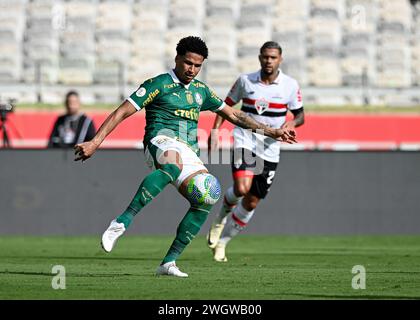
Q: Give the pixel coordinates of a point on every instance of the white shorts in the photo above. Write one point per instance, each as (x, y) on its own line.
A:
(191, 163)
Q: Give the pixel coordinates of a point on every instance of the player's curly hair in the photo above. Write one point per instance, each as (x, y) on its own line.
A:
(192, 44)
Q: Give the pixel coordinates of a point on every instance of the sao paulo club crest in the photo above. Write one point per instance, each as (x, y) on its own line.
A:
(261, 105)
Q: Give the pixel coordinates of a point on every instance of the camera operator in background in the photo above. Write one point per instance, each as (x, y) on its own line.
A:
(5, 108)
(73, 127)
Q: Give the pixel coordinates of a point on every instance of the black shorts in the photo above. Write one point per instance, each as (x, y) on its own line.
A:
(246, 164)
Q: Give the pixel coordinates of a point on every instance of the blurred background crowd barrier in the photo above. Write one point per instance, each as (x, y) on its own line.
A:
(45, 192)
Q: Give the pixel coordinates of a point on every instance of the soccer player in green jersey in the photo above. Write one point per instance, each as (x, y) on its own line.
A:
(172, 102)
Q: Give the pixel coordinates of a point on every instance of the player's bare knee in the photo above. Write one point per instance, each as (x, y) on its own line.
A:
(241, 189)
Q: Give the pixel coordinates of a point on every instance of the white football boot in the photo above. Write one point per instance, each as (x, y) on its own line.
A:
(214, 234)
(219, 253)
(216, 229)
(170, 269)
(111, 235)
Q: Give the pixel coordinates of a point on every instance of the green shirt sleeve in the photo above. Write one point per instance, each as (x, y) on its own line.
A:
(145, 94)
(212, 102)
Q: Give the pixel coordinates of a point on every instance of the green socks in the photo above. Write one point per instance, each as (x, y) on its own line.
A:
(187, 230)
(150, 187)
(126, 217)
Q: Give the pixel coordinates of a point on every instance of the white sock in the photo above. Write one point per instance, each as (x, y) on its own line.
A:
(232, 200)
(235, 223)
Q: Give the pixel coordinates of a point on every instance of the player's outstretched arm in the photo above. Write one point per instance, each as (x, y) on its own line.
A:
(242, 120)
(84, 151)
(213, 140)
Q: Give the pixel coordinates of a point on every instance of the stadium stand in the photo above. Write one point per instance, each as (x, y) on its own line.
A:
(150, 20)
(41, 41)
(113, 24)
(77, 46)
(220, 36)
(342, 44)
(11, 35)
(289, 30)
(393, 45)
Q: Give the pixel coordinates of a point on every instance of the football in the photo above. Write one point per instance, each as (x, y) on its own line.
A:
(204, 188)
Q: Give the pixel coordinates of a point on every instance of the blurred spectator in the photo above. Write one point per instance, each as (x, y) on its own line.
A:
(73, 127)
(415, 4)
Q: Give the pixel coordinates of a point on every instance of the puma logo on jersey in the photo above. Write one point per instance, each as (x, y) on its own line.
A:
(176, 94)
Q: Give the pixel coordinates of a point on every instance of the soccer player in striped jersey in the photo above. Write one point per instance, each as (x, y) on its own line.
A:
(266, 97)
(172, 101)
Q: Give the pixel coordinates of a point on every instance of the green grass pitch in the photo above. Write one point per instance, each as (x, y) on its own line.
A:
(259, 267)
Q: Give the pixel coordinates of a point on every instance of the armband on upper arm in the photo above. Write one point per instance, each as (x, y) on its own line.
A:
(297, 111)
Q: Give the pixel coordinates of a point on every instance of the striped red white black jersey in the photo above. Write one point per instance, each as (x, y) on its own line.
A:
(267, 104)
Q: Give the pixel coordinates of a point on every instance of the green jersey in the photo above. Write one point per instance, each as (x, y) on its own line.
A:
(173, 108)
